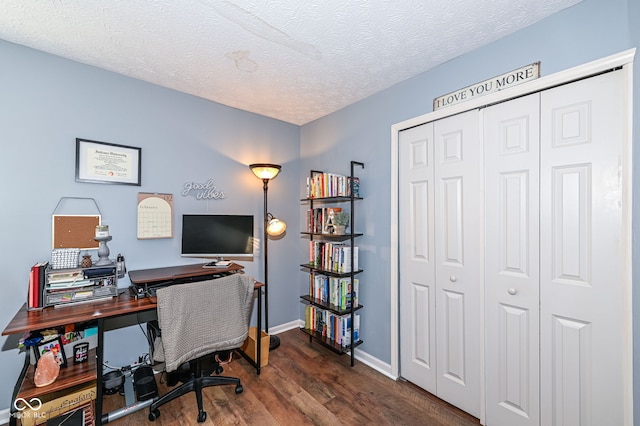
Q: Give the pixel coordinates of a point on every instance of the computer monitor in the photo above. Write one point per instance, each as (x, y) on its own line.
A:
(217, 236)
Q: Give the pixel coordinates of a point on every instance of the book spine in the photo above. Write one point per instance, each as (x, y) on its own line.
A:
(42, 271)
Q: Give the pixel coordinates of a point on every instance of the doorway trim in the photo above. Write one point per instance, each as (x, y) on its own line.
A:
(623, 59)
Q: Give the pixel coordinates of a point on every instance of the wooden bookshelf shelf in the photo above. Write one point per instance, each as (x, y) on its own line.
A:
(333, 308)
(330, 273)
(330, 344)
(331, 199)
(332, 237)
(71, 375)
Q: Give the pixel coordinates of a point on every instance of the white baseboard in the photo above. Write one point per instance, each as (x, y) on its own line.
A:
(286, 327)
(5, 415)
(375, 363)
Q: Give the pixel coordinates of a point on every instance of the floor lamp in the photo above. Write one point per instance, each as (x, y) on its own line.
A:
(273, 227)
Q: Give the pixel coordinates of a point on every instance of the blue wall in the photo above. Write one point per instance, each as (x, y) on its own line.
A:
(47, 102)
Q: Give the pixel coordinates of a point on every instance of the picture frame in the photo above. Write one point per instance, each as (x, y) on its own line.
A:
(109, 163)
(54, 345)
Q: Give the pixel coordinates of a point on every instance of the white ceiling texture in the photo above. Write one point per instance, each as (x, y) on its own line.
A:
(293, 60)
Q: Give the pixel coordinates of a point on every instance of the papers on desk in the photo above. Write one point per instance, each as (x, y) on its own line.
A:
(65, 276)
(70, 284)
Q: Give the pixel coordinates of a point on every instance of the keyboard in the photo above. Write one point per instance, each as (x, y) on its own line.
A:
(218, 264)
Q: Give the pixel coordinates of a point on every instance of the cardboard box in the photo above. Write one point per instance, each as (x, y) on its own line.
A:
(53, 404)
(250, 346)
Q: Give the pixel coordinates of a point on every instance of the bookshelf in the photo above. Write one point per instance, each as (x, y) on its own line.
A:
(332, 306)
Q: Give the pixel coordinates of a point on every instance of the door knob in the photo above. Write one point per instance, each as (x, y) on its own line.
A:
(453, 278)
(512, 291)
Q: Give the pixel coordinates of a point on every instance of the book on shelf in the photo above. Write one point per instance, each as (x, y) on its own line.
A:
(333, 290)
(331, 326)
(321, 220)
(36, 285)
(327, 185)
(331, 256)
(42, 278)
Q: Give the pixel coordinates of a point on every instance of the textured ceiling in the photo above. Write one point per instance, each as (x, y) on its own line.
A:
(293, 60)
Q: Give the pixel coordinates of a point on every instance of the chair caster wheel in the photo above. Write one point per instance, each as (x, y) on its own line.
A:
(202, 417)
(153, 415)
(239, 389)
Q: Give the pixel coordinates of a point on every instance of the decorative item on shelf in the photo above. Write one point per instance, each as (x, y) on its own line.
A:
(47, 370)
(102, 236)
(81, 353)
(341, 222)
(64, 258)
(273, 227)
(86, 261)
(53, 346)
(121, 268)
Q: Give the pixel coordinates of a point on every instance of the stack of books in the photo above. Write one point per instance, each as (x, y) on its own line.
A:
(36, 286)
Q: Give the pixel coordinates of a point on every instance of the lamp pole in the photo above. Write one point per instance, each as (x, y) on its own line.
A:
(274, 341)
(266, 172)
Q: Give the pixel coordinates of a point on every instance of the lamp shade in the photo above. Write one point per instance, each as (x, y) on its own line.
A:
(265, 170)
(276, 227)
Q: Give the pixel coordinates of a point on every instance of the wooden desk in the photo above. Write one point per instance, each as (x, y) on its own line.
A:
(100, 310)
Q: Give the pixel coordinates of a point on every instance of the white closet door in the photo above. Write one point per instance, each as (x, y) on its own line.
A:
(582, 284)
(458, 278)
(511, 143)
(440, 278)
(417, 262)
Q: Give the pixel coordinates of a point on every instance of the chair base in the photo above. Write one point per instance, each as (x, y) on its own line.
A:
(195, 384)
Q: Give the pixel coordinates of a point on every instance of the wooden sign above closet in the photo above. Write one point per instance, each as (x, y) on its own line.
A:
(494, 84)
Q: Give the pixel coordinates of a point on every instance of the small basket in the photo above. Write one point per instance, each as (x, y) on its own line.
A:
(65, 258)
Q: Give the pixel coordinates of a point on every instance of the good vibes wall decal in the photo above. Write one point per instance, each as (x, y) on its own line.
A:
(203, 191)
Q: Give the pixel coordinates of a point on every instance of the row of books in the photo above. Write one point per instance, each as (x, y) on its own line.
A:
(320, 220)
(37, 279)
(335, 327)
(334, 257)
(323, 185)
(336, 291)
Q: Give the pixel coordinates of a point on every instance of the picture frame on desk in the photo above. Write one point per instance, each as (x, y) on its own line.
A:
(54, 346)
(103, 162)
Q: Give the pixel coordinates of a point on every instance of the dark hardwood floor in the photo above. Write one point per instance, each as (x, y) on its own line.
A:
(304, 384)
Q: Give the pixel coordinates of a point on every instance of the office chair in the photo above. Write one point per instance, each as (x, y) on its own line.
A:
(199, 320)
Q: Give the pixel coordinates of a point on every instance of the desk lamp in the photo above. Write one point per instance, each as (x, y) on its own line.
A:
(273, 227)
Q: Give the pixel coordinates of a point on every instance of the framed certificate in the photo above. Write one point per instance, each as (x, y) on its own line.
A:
(101, 162)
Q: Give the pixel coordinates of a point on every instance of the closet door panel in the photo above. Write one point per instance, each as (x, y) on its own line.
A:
(457, 255)
(511, 144)
(582, 282)
(417, 267)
